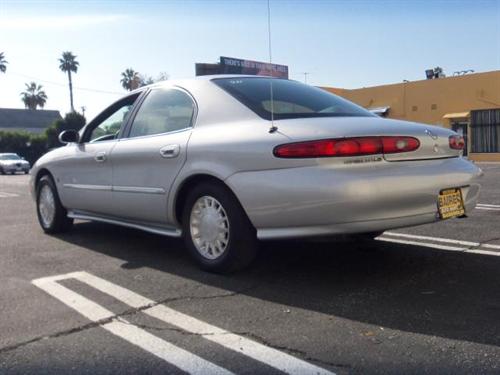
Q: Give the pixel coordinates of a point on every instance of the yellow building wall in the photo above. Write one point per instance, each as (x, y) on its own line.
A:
(427, 101)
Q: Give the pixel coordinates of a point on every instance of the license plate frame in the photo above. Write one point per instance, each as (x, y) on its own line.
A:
(450, 203)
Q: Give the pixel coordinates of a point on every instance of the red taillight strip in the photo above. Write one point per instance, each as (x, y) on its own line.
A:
(343, 147)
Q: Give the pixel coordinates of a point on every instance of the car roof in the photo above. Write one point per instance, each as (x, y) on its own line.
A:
(206, 78)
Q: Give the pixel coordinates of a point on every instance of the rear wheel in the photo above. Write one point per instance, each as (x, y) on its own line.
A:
(217, 231)
(52, 216)
(2, 171)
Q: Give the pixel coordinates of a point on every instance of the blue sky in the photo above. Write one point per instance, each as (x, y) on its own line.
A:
(340, 43)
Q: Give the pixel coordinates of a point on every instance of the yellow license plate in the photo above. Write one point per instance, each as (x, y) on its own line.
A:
(450, 203)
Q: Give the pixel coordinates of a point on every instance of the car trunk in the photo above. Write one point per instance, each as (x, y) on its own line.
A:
(434, 143)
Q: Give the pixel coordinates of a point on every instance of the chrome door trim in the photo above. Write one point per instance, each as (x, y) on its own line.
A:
(171, 232)
(137, 189)
(119, 189)
(88, 187)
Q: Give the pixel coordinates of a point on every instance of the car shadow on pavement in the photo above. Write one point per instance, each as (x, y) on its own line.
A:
(404, 287)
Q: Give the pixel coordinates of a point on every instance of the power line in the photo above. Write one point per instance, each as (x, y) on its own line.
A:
(64, 85)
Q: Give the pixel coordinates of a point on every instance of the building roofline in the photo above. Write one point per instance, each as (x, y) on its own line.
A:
(466, 76)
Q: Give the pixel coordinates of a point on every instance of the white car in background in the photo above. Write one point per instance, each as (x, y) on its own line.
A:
(13, 163)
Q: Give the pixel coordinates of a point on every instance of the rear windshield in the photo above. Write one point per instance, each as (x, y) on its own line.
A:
(291, 99)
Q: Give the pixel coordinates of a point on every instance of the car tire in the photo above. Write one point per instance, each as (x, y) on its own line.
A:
(52, 216)
(217, 232)
(2, 171)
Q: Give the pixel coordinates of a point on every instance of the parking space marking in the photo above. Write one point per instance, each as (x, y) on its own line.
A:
(489, 207)
(177, 356)
(413, 239)
(120, 327)
(7, 195)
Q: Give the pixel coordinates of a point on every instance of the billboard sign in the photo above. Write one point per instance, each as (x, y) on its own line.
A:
(231, 65)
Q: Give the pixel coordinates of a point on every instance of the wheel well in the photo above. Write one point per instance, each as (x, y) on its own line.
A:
(187, 185)
(42, 172)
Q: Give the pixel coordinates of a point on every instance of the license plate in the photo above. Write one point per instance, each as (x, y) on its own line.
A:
(450, 203)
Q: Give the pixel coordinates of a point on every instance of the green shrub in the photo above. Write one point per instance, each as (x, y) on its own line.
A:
(33, 146)
(27, 145)
(73, 120)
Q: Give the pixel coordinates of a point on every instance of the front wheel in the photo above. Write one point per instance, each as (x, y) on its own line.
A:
(217, 231)
(52, 216)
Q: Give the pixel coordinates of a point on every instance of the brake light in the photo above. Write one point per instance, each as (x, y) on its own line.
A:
(357, 146)
(457, 142)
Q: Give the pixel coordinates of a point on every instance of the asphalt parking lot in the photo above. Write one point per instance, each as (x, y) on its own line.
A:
(104, 299)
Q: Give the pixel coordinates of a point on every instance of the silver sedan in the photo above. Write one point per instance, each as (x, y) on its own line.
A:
(226, 160)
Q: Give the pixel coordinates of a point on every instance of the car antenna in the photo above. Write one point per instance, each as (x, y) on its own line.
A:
(273, 128)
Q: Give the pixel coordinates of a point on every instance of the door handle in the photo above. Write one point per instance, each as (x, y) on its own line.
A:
(100, 157)
(170, 151)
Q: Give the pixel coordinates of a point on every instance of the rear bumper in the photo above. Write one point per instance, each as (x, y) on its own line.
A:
(323, 200)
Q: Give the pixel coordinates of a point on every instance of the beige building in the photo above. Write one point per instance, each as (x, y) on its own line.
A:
(468, 104)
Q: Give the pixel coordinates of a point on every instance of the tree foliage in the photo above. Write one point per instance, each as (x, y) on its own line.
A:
(27, 145)
(33, 96)
(72, 120)
(68, 64)
(32, 146)
(132, 80)
(3, 63)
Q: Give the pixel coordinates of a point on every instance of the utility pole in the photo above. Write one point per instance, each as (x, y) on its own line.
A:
(305, 76)
(83, 110)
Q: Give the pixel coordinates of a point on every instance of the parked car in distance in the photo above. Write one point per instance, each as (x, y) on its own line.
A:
(221, 162)
(13, 163)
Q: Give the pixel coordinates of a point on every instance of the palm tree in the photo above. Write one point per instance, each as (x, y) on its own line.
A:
(34, 96)
(68, 64)
(130, 79)
(3, 63)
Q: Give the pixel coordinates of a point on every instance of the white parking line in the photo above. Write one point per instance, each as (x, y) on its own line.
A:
(7, 195)
(489, 205)
(159, 347)
(487, 208)
(127, 331)
(413, 239)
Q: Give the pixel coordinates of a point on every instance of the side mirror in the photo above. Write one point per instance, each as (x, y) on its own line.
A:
(69, 136)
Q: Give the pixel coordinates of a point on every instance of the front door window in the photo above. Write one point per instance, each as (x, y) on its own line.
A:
(110, 127)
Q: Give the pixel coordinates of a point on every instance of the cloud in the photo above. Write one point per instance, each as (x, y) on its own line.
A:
(56, 22)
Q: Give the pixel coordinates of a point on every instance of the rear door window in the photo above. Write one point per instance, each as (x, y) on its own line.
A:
(163, 111)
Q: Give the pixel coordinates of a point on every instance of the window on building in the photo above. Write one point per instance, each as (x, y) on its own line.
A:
(485, 130)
